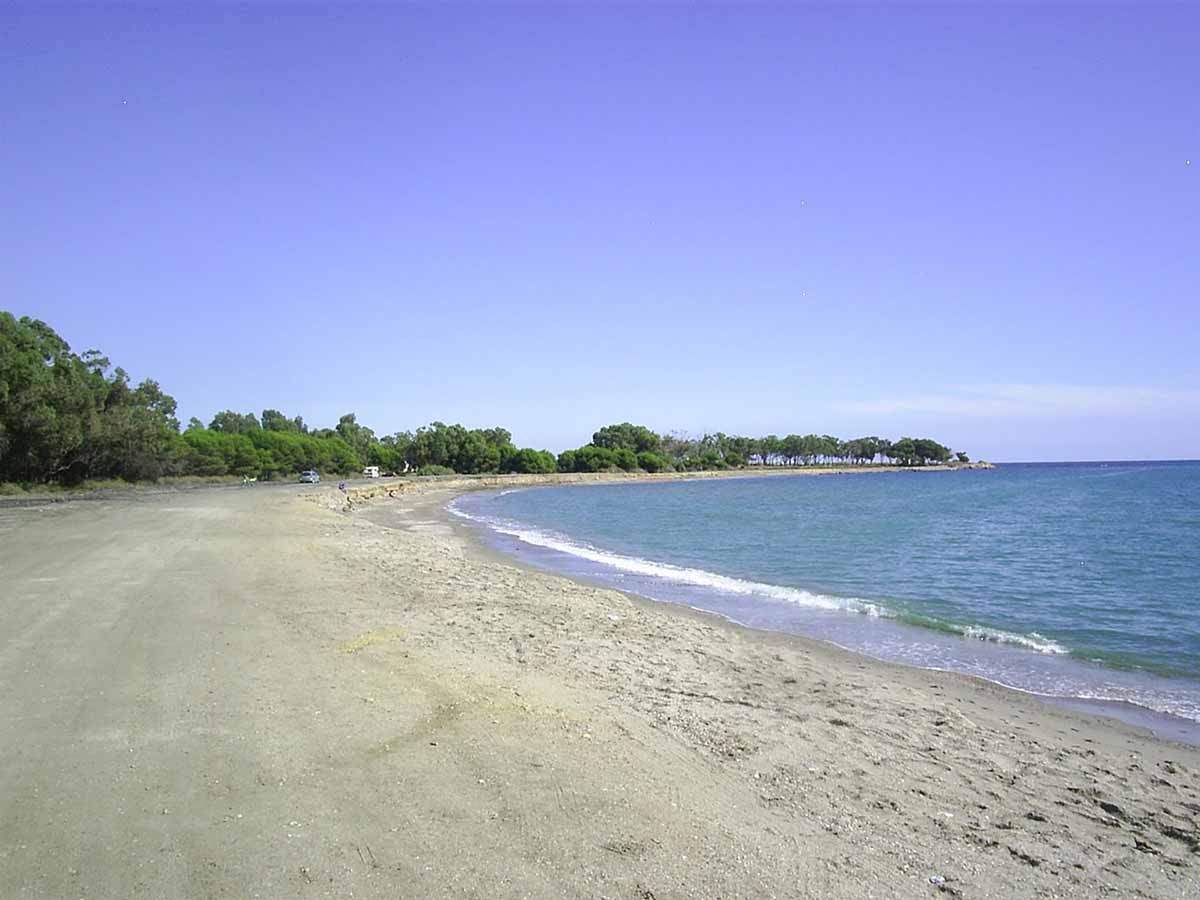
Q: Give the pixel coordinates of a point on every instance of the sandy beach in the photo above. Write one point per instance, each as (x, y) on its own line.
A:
(261, 693)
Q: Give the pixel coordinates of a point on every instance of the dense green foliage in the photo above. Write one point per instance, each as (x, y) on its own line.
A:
(257, 452)
(529, 461)
(627, 446)
(65, 417)
(625, 436)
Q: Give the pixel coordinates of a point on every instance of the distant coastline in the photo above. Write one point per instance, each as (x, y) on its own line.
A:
(364, 491)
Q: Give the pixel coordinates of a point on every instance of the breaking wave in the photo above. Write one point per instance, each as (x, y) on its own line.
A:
(713, 581)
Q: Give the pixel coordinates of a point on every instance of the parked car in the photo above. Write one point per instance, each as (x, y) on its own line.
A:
(371, 472)
(310, 477)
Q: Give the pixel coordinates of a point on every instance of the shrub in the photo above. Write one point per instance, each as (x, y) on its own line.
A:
(651, 462)
(594, 459)
(625, 459)
(529, 461)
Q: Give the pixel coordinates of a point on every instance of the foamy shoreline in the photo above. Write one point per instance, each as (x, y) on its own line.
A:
(979, 651)
(952, 773)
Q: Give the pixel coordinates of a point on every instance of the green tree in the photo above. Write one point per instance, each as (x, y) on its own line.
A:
(677, 447)
(358, 437)
(651, 462)
(831, 448)
(243, 458)
(274, 420)
(862, 450)
(207, 455)
(594, 459)
(63, 419)
(769, 449)
(792, 447)
(627, 436)
(497, 437)
(904, 451)
(625, 458)
(49, 400)
(930, 451)
(474, 455)
(134, 432)
(530, 461)
(229, 422)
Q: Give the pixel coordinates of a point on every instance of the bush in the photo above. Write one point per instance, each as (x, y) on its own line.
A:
(627, 436)
(594, 459)
(530, 462)
(436, 470)
(625, 459)
(651, 462)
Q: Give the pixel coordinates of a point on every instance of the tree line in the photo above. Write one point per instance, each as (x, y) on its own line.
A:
(630, 447)
(67, 417)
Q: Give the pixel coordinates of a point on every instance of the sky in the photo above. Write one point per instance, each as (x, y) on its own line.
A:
(974, 222)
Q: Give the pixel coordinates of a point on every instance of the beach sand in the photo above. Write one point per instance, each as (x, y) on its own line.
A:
(256, 693)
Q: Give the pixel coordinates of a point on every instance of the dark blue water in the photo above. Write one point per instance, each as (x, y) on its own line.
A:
(1077, 581)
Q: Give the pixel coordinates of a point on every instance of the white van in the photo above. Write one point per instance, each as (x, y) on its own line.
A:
(371, 472)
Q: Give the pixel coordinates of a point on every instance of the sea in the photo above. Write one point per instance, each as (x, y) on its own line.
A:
(1078, 582)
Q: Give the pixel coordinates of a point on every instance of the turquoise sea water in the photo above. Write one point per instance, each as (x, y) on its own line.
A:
(1077, 581)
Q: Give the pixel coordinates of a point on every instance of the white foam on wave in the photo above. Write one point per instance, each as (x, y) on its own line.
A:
(1031, 641)
(1181, 707)
(729, 585)
(1178, 704)
(678, 574)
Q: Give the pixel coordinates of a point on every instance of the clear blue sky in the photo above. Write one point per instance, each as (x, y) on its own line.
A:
(975, 222)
